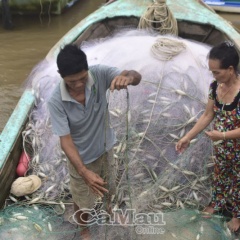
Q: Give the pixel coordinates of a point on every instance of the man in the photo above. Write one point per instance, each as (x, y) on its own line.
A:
(78, 110)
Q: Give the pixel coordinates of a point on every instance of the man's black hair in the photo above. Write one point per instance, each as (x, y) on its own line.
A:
(71, 60)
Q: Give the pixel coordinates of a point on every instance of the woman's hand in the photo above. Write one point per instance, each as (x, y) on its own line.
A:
(182, 144)
(215, 135)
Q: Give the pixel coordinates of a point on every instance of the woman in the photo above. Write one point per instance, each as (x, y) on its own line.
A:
(223, 108)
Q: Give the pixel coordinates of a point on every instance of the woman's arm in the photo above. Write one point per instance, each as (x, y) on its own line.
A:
(216, 135)
(201, 124)
(203, 121)
(233, 134)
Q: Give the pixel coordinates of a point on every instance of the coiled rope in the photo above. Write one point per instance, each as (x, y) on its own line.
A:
(165, 48)
(159, 17)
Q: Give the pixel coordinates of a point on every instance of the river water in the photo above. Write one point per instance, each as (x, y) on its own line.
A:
(29, 42)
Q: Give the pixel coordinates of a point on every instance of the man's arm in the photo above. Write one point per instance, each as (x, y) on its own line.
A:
(124, 79)
(93, 180)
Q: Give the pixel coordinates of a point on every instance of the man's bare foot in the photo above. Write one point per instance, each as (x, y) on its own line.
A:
(117, 217)
(234, 224)
(85, 234)
(120, 219)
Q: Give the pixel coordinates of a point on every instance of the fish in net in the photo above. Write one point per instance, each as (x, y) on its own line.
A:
(148, 120)
(18, 222)
(168, 102)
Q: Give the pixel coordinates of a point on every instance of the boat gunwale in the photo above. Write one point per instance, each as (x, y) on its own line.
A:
(111, 11)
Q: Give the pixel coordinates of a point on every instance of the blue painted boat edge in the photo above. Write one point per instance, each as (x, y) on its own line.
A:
(14, 125)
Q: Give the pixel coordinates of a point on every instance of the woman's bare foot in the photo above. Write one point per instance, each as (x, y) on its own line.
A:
(207, 212)
(209, 209)
(234, 224)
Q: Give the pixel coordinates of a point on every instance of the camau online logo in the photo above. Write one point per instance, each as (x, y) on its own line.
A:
(125, 217)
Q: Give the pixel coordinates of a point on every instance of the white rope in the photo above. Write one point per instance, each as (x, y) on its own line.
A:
(165, 48)
(159, 17)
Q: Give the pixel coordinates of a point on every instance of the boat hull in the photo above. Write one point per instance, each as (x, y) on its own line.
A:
(11, 143)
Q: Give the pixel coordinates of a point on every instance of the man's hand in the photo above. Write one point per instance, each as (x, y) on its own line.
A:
(121, 82)
(95, 182)
(124, 79)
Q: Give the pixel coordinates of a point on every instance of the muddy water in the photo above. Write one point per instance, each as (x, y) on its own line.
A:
(27, 44)
(30, 41)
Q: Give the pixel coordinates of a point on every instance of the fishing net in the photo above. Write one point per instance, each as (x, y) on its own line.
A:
(18, 222)
(148, 120)
(35, 222)
(168, 102)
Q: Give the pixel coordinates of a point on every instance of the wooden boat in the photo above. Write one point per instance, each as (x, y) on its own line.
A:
(195, 22)
(231, 6)
(39, 7)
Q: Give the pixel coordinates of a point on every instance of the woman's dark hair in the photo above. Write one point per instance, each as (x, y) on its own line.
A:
(226, 54)
(71, 60)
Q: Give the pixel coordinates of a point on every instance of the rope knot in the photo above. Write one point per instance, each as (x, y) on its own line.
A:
(159, 17)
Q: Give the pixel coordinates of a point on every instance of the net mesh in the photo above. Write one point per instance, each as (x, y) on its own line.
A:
(44, 222)
(148, 120)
